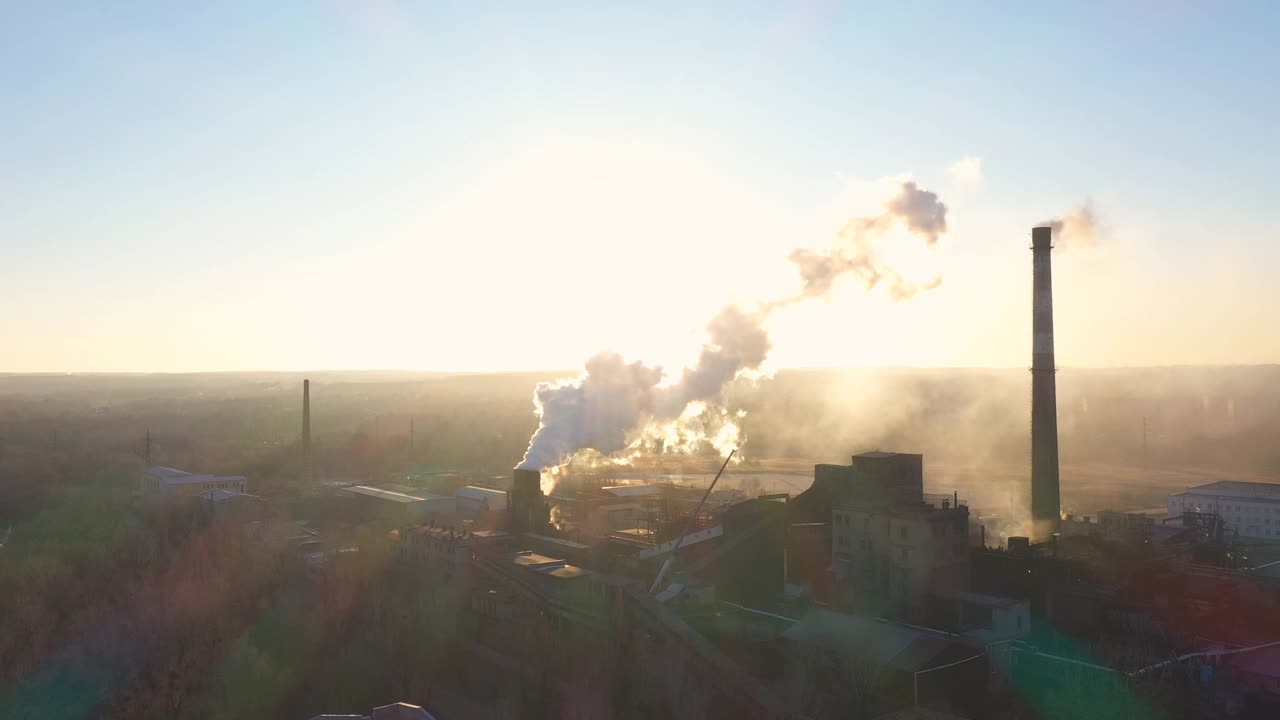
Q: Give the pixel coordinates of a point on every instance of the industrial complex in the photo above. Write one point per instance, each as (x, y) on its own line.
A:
(682, 598)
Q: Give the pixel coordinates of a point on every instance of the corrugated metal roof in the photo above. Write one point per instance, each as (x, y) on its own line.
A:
(381, 494)
(534, 560)
(497, 499)
(633, 490)
(564, 572)
(165, 472)
(201, 479)
(1235, 488)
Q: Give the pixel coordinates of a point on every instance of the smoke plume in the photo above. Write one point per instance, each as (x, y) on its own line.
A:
(593, 411)
(917, 209)
(601, 409)
(1078, 228)
(614, 405)
(736, 341)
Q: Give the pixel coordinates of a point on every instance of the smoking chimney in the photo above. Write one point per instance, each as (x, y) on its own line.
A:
(306, 429)
(1045, 502)
(528, 506)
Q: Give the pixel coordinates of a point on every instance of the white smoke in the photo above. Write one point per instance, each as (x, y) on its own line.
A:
(737, 341)
(615, 405)
(917, 209)
(606, 406)
(595, 410)
(1078, 228)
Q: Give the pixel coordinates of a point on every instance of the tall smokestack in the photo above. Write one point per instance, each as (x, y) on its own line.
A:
(1045, 500)
(306, 429)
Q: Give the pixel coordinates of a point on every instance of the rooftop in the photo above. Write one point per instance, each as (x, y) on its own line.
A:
(878, 454)
(564, 572)
(480, 493)
(391, 495)
(401, 711)
(534, 560)
(633, 490)
(381, 494)
(189, 479)
(876, 641)
(166, 472)
(1235, 488)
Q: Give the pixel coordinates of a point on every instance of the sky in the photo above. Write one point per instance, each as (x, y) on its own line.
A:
(486, 187)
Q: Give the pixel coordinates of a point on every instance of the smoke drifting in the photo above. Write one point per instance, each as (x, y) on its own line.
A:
(1078, 228)
(593, 411)
(615, 405)
(737, 341)
(919, 210)
(601, 409)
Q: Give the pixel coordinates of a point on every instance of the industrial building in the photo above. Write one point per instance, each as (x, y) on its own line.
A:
(1251, 510)
(394, 505)
(890, 557)
(474, 502)
(870, 538)
(443, 553)
(159, 481)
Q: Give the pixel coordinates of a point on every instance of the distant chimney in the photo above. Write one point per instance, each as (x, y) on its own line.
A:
(1045, 501)
(306, 429)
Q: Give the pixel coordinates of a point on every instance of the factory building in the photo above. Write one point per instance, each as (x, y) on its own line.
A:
(1251, 509)
(159, 481)
(892, 556)
(445, 554)
(872, 478)
(394, 505)
(882, 546)
(477, 502)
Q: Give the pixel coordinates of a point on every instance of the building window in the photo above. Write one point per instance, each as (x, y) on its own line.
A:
(902, 533)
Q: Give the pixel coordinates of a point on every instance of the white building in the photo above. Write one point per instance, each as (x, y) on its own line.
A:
(158, 481)
(1250, 509)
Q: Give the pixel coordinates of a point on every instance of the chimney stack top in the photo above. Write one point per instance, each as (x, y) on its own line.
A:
(1041, 237)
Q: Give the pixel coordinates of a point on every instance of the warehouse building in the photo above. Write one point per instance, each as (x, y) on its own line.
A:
(1251, 509)
(159, 481)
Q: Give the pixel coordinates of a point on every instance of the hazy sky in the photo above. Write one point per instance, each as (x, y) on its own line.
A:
(280, 185)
